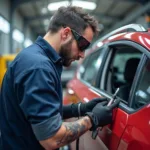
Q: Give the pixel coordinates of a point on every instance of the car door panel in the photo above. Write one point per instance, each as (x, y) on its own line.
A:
(109, 136)
(137, 132)
(81, 92)
(127, 132)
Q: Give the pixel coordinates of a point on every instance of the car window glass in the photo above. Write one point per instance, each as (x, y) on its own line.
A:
(119, 63)
(91, 69)
(121, 70)
(142, 93)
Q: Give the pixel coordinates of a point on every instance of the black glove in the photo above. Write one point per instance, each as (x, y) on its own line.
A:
(73, 110)
(101, 114)
(88, 107)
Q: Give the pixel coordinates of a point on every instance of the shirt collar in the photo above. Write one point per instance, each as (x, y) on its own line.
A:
(49, 50)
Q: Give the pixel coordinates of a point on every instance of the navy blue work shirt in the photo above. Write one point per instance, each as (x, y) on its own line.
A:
(31, 98)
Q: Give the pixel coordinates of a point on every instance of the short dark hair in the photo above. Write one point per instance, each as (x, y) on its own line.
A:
(75, 18)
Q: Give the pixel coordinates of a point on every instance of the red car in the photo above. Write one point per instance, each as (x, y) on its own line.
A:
(121, 60)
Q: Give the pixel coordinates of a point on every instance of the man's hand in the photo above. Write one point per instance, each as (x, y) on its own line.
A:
(80, 109)
(101, 114)
(88, 107)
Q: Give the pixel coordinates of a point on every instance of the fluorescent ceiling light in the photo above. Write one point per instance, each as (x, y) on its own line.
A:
(18, 36)
(4, 25)
(54, 6)
(84, 4)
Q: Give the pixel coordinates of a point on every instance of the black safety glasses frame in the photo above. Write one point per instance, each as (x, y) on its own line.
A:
(82, 43)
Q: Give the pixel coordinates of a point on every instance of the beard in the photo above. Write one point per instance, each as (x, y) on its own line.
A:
(65, 53)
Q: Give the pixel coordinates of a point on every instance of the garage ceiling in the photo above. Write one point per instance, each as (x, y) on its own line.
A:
(108, 12)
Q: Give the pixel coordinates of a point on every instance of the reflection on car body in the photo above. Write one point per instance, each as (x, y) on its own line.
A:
(120, 59)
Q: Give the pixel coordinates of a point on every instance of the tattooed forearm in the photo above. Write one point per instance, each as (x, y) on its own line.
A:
(67, 133)
(73, 131)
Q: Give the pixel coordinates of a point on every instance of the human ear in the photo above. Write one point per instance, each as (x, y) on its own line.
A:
(66, 32)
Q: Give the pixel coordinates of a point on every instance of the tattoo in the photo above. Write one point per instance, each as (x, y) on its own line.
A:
(73, 131)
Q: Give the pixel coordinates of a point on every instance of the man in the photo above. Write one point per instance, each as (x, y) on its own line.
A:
(31, 110)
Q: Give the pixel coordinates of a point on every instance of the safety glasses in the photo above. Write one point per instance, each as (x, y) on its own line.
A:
(82, 43)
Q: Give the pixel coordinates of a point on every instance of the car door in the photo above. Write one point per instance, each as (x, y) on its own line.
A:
(79, 90)
(109, 136)
(130, 128)
(109, 77)
(86, 87)
(137, 131)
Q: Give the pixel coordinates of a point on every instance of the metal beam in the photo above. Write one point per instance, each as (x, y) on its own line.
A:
(20, 2)
(24, 31)
(140, 1)
(11, 16)
(131, 17)
(17, 3)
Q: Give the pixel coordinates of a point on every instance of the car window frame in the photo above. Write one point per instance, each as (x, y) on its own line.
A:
(122, 105)
(110, 55)
(135, 84)
(106, 47)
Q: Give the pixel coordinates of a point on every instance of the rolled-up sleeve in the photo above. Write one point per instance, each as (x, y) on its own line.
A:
(39, 102)
(47, 128)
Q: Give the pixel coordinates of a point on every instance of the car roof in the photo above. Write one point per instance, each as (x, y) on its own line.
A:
(132, 32)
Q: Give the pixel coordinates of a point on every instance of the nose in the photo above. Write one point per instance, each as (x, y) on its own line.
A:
(81, 54)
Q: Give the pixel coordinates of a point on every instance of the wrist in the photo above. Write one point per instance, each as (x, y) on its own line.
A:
(75, 110)
(91, 117)
(89, 121)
